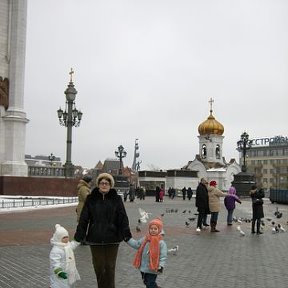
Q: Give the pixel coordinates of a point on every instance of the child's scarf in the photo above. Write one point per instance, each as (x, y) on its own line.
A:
(154, 252)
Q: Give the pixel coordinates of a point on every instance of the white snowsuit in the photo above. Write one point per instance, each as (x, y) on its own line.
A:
(62, 256)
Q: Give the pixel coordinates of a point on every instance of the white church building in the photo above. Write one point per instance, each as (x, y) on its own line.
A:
(210, 162)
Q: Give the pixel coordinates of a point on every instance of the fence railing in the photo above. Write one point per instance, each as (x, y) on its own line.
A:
(46, 171)
(30, 202)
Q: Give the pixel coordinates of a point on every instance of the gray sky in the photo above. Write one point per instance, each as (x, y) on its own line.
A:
(146, 69)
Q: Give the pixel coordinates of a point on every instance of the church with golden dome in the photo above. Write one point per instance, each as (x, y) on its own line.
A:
(210, 162)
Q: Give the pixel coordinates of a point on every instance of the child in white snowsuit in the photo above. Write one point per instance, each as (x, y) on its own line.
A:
(63, 271)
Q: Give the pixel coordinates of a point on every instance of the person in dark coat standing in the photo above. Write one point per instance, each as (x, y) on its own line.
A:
(189, 193)
(202, 203)
(184, 191)
(104, 224)
(257, 196)
(157, 194)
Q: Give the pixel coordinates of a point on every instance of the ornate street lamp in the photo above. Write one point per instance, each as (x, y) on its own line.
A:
(69, 118)
(243, 145)
(120, 153)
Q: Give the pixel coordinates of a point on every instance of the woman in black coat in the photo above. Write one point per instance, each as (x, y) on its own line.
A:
(257, 196)
(104, 224)
(202, 203)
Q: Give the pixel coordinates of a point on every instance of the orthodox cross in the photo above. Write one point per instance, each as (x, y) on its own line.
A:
(71, 74)
(211, 102)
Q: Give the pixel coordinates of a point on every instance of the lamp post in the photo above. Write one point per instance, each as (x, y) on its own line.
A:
(69, 118)
(120, 153)
(51, 158)
(243, 145)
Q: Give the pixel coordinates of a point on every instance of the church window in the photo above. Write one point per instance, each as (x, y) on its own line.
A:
(204, 151)
(218, 151)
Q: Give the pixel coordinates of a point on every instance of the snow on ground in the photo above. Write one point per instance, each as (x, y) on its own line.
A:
(20, 203)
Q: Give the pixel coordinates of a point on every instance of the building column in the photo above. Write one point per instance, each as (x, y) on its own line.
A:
(13, 120)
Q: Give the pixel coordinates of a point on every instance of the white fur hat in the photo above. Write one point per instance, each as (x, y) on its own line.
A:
(107, 177)
(59, 233)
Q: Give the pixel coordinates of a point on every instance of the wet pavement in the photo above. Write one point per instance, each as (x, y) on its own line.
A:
(224, 259)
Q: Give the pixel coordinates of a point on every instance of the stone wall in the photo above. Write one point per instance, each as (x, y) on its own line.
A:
(36, 186)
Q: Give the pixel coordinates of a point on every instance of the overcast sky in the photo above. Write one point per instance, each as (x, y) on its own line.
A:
(146, 69)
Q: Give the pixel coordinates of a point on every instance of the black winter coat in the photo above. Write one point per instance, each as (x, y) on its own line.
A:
(202, 200)
(257, 204)
(103, 219)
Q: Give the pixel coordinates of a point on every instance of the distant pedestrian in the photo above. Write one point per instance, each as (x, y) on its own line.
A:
(229, 202)
(157, 193)
(83, 190)
(173, 193)
(161, 194)
(125, 195)
(151, 253)
(184, 191)
(189, 193)
(132, 193)
(202, 204)
(214, 195)
(63, 271)
(257, 196)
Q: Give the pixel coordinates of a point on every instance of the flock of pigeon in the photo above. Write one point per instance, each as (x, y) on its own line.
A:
(275, 225)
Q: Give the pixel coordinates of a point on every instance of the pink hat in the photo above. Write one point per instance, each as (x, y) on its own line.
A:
(158, 223)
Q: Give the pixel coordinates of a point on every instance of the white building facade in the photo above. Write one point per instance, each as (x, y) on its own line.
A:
(13, 19)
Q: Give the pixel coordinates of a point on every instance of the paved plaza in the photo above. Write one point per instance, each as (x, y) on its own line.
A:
(224, 259)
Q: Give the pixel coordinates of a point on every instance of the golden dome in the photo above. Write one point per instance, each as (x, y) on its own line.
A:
(211, 126)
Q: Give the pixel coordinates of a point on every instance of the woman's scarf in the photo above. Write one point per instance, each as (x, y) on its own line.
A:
(154, 252)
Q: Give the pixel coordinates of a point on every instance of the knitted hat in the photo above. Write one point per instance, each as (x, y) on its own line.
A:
(107, 177)
(59, 233)
(158, 223)
(232, 190)
(213, 183)
(87, 178)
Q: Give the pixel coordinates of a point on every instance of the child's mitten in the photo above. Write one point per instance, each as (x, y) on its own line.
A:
(62, 275)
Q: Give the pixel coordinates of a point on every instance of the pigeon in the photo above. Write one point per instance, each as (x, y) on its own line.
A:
(277, 213)
(174, 250)
(274, 230)
(262, 223)
(281, 229)
(192, 219)
(187, 224)
(144, 216)
(138, 229)
(184, 211)
(242, 233)
(162, 215)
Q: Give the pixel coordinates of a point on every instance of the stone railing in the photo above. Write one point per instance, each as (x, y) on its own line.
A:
(46, 171)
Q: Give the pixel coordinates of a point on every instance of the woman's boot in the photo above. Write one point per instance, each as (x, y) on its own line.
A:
(253, 227)
(212, 225)
(215, 230)
(258, 227)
